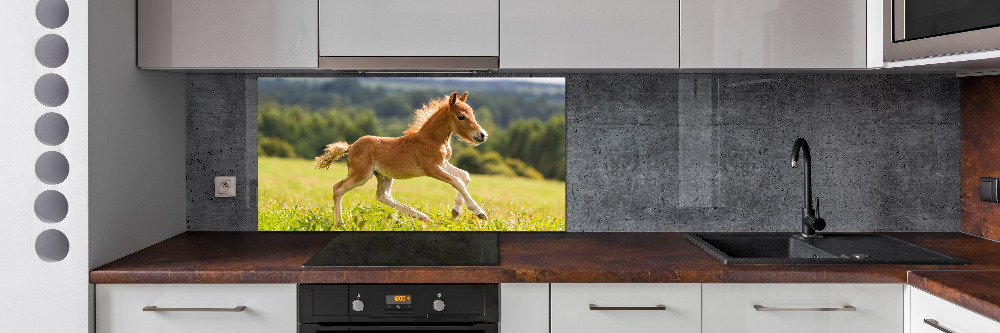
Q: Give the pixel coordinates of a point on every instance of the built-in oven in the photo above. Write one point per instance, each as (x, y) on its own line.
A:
(388, 308)
(926, 28)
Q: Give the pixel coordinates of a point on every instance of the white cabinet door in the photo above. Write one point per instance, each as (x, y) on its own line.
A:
(774, 34)
(269, 308)
(227, 34)
(626, 307)
(780, 308)
(524, 307)
(589, 34)
(409, 28)
(951, 317)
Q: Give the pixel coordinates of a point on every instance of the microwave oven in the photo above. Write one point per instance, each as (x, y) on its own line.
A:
(915, 29)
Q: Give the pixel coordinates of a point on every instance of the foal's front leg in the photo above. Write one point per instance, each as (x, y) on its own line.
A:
(464, 176)
(440, 173)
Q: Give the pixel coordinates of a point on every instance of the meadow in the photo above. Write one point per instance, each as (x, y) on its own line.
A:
(292, 196)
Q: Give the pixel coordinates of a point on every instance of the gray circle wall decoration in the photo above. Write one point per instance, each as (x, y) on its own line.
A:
(52, 245)
(52, 13)
(51, 50)
(51, 129)
(51, 90)
(52, 167)
(51, 206)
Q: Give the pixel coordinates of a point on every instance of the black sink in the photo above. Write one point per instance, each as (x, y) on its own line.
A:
(787, 248)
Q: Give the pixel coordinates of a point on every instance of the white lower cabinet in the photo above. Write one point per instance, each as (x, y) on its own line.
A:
(195, 308)
(930, 314)
(524, 307)
(802, 308)
(570, 307)
(626, 307)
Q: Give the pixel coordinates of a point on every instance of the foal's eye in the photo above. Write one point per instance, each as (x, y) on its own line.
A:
(461, 117)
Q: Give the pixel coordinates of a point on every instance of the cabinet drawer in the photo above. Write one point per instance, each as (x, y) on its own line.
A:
(729, 308)
(948, 315)
(269, 308)
(641, 307)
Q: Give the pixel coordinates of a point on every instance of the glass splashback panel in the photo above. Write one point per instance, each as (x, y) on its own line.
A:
(399, 152)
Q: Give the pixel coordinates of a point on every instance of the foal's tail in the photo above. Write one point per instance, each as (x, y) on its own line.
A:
(333, 152)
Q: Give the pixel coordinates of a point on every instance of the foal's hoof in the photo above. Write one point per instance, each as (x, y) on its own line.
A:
(454, 213)
(481, 216)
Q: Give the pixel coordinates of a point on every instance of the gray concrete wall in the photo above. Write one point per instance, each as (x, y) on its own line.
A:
(683, 152)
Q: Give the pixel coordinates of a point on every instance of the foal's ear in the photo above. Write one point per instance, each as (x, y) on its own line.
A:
(451, 100)
(462, 98)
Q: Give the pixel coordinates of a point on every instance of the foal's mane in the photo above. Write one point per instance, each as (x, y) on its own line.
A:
(424, 113)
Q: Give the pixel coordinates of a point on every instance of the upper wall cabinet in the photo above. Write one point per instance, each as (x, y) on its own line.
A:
(221, 34)
(778, 33)
(406, 34)
(588, 34)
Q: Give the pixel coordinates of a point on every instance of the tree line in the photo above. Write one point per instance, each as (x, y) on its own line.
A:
(395, 100)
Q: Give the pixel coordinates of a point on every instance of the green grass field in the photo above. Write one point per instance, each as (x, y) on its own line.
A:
(292, 196)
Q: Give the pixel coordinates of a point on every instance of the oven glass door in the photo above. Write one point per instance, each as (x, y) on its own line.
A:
(929, 18)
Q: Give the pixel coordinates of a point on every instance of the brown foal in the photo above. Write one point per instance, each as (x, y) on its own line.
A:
(423, 150)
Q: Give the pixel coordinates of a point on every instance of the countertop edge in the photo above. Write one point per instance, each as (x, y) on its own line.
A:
(937, 283)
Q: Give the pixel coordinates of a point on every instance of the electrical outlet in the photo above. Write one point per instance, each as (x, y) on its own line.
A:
(225, 186)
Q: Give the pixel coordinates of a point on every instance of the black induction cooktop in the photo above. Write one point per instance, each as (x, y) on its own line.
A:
(446, 248)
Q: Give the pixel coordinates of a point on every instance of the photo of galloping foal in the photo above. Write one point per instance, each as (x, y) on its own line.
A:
(423, 150)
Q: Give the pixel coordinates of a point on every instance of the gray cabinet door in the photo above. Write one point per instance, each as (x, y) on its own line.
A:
(774, 34)
(223, 34)
(589, 34)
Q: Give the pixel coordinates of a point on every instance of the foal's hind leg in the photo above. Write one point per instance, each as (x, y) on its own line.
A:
(464, 176)
(438, 172)
(355, 178)
(384, 194)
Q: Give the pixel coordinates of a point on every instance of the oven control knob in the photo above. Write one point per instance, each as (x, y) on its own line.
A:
(358, 305)
(438, 305)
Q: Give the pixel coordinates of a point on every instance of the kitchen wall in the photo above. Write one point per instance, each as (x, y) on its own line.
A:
(980, 153)
(683, 152)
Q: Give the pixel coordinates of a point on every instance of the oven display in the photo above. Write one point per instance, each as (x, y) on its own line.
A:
(397, 299)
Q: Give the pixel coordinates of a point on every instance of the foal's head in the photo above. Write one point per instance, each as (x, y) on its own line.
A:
(463, 121)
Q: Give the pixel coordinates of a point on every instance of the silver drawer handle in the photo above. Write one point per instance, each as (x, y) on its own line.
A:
(233, 309)
(935, 324)
(759, 307)
(630, 308)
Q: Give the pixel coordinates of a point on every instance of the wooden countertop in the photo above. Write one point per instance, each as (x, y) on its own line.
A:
(978, 291)
(277, 257)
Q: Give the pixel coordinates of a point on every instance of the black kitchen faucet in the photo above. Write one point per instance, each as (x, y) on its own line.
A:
(810, 222)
